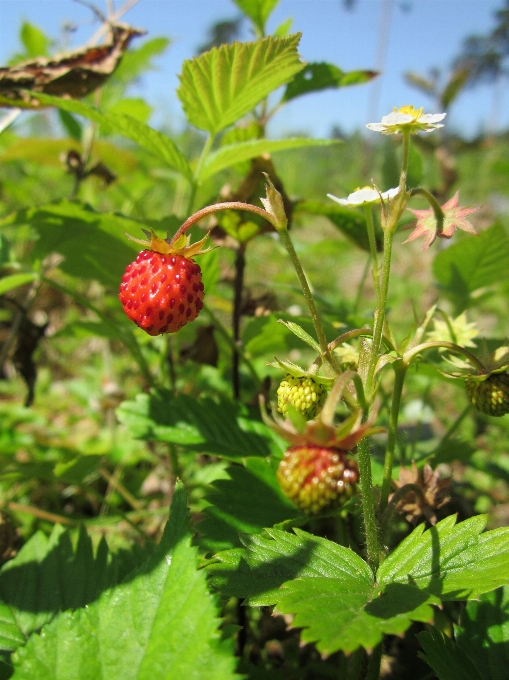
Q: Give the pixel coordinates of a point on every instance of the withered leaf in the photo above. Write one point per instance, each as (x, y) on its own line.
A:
(72, 75)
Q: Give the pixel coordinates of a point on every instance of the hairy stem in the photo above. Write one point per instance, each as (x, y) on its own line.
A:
(368, 211)
(368, 505)
(399, 374)
(238, 286)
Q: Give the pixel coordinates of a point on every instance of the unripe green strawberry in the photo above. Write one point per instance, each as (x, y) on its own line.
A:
(490, 396)
(304, 393)
(317, 478)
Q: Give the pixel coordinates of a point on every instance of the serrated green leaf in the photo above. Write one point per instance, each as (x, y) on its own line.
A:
(483, 634)
(149, 139)
(93, 244)
(160, 622)
(268, 560)
(332, 592)
(221, 86)
(202, 425)
(47, 576)
(445, 657)
(473, 263)
(15, 281)
(226, 156)
(349, 221)
(347, 615)
(248, 501)
(445, 559)
(257, 10)
(318, 76)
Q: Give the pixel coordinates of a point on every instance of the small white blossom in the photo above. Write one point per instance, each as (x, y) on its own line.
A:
(364, 196)
(407, 118)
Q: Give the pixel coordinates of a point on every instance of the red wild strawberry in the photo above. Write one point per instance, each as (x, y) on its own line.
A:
(162, 289)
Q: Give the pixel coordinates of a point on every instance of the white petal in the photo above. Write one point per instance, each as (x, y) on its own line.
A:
(341, 201)
(363, 196)
(432, 118)
(396, 118)
(376, 127)
(390, 193)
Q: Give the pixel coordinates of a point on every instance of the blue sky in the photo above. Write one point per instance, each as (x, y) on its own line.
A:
(422, 34)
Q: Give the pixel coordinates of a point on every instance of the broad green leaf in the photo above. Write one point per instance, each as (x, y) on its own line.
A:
(226, 156)
(161, 622)
(318, 76)
(257, 10)
(210, 269)
(302, 335)
(349, 221)
(135, 108)
(445, 559)
(473, 263)
(331, 592)
(349, 614)
(220, 428)
(47, 576)
(93, 244)
(15, 281)
(149, 139)
(249, 500)
(222, 85)
(446, 658)
(268, 560)
(483, 633)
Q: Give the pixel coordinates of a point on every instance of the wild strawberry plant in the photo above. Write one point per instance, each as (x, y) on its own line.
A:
(315, 549)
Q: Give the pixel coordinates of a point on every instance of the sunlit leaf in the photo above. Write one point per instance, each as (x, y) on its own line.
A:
(161, 622)
(15, 281)
(318, 76)
(234, 153)
(257, 10)
(222, 85)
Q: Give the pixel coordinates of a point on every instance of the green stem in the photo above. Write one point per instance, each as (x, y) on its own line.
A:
(197, 171)
(360, 287)
(380, 313)
(400, 372)
(368, 505)
(437, 208)
(368, 211)
(320, 334)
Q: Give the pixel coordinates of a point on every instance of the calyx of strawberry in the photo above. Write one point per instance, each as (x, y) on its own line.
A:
(181, 246)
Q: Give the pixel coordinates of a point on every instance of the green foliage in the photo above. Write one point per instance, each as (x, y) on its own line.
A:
(472, 264)
(322, 76)
(257, 10)
(220, 86)
(221, 428)
(161, 620)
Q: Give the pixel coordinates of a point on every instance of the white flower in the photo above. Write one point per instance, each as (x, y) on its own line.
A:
(365, 195)
(409, 119)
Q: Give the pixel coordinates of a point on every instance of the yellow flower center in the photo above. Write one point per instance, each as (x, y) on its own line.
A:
(409, 110)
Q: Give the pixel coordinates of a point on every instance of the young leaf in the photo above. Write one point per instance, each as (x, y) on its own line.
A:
(321, 76)
(445, 657)
(257, 10)
(149, 139)
(483, 633)
(445, 559)
(234, 153)
(302, 335)
(201, 425)
(246, 502)
(222, 85)
(161, 622)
